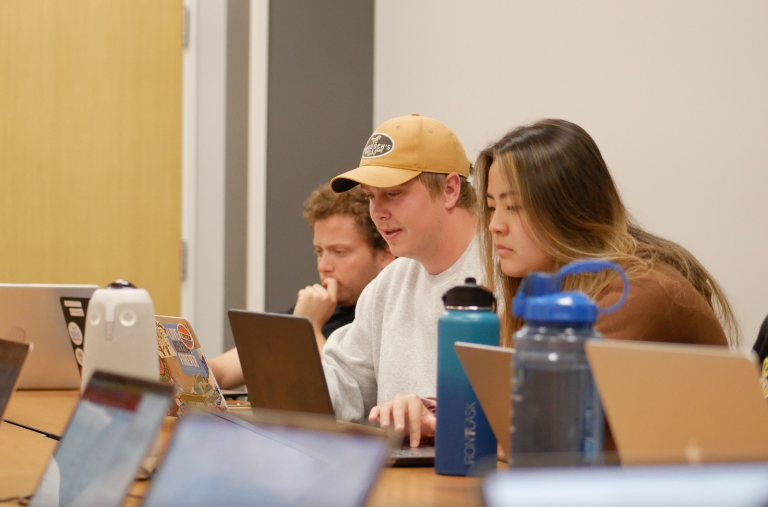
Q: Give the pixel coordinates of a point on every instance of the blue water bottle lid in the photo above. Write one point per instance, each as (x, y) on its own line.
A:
(539, 298)
(573, 306)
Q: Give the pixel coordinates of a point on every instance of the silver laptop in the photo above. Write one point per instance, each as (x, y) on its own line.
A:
(287, 459)
(36, 314)
(109, 433)
(737, 485)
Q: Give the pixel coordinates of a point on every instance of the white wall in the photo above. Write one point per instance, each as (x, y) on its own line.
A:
(203, 171)
(257, 155)
(204, 166)
(675, 94)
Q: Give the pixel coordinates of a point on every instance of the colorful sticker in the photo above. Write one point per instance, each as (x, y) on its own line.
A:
(204, 361)
(165, 373)
(185, 336)
(188, 358)
(182, 407)
(79, 356)
(194, 400)
(75, 333)
(164, 348)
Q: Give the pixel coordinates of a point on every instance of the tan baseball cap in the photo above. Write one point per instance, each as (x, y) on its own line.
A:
(401, 149)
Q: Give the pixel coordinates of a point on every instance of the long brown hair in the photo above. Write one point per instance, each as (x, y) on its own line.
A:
(575, 211)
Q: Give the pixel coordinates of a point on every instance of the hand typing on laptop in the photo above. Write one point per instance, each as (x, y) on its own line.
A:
(407, 414)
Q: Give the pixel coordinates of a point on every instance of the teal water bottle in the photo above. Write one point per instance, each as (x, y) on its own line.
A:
(557, 418)
(463, 436)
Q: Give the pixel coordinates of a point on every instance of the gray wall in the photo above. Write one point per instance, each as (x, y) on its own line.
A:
(320, 114)
(236, 186)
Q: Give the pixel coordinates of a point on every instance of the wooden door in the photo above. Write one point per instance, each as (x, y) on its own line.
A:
(90, 143)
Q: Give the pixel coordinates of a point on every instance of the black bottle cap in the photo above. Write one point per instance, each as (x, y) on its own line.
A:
(121, 284)
(469, 295)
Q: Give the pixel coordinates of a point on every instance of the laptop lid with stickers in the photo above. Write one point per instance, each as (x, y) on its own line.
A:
(110, 431)
(183, 364)
(285, 459)
(38, 314)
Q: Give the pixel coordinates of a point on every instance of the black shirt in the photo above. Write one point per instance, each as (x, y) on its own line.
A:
(761, 345)
(342, 316)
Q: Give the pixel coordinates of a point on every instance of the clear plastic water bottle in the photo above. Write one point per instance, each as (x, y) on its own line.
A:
(557, 417)
(463, 437)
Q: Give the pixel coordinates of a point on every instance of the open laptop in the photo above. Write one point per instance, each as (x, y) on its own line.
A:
(183, 364)
(734, 485)
(489, 370)
(670, 403)
(286, 459)
(13, 355)
(110, 431)
(282, 370)
(33, 314)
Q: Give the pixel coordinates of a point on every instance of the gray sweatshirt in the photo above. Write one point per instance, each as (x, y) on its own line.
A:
(391, 347)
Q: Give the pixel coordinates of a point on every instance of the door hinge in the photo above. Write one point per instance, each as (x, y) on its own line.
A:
(185, 27)
(184, 262)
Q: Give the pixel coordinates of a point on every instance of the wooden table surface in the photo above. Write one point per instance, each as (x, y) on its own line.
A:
(24, 455)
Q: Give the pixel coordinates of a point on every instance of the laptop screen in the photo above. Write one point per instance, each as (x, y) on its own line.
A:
(109, 433)
(217, 461)
(741, 485)
(12, 356)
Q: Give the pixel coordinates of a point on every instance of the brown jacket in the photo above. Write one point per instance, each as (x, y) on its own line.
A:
(662, 306)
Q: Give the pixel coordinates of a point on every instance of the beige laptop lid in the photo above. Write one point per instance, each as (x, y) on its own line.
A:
(32, 313)
(680, 403)
(489, 370)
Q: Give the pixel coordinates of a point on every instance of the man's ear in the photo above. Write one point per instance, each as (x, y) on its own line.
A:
(384, 257)
(452, 190)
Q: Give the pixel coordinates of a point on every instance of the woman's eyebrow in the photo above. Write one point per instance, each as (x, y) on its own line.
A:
(508, 193)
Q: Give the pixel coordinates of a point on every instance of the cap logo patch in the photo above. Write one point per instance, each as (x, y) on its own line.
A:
(378, 145)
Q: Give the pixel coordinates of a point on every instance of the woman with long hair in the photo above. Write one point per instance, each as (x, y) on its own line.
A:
(547, 199)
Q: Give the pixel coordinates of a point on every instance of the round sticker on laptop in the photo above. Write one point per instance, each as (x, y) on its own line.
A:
(185, 336)
(75, 334)
(79, 355)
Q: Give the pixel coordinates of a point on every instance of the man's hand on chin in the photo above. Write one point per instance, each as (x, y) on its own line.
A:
(317, 302)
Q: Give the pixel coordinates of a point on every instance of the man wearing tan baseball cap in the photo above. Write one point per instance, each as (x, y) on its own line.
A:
(384, 365)
(403, 148)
